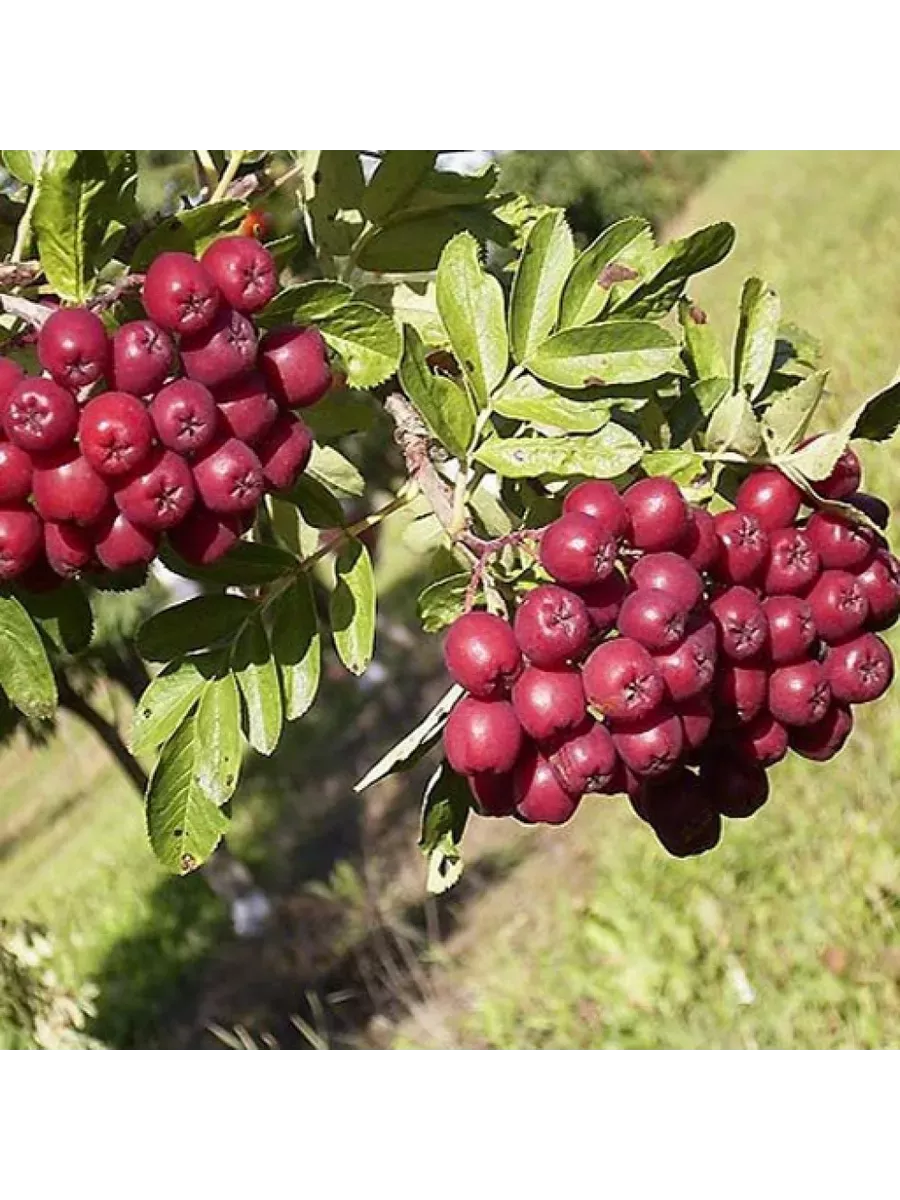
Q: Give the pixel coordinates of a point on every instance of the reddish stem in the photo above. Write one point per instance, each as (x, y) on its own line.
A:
(486, 549)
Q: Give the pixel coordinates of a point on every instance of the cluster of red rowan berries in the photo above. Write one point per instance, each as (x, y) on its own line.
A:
(177, 424)
(677, 655)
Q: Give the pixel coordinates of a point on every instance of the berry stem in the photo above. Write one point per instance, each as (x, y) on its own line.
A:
(228, 175)
(486, 550)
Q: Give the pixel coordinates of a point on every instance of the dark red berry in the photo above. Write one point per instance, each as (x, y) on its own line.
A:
(142, 357)
(740, 689)
(223, 350)
(793, 563)
(744, 546)
(603, 601)
(494, 795)
(700, 544)
(598, 499)
(39, 415)
(839, 605)
(295, 364)
(741, 621)
(585, 759)
(763, 739)
(119, 545)
(185, 416)
(657, 513)
(548, 702)
(20, 541)
(681, 815)
(203, 537)
(624, 782)
(67, 488)
(248, 411)
(229, 477)
(688, 669)
(845, 477)
(823, 740)
(792, 629)
(179, 294)
(73, 347)
(540, 800)
(880, 583)
(737, 786)
(622, 681)
(159, 493)
(244, 271)
(696, 716)
(799, 694)
(859, 670)
(839, 543)
(481, 653)
(482, 737)
(577, 551)
(651, 745)
(873, 506)
(115, 433)
(668, 572)
(284, 452)
(68, 548)
(770, 497)
(15, 474)
(655, 619)
(552, 626)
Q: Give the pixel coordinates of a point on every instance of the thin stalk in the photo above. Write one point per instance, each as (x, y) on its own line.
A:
(228, 175)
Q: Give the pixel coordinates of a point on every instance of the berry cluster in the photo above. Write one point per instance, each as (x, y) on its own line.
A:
(176, 424)
(734, 638)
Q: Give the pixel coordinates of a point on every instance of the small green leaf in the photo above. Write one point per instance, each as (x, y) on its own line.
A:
(441, 602)
(297, 647)
(247, 564)
(672, 265)
(342, 412)
(367, 341)
(525, 399)
(318, 506)
(694, 406)
(701, 343)
(416, 744)
(619, 352)
(602, 455)
(424, 534)
(787, 418)
(879, 417)
(329, 467)
(352, 607)
(409, 303)
(395, 180)
(681, 465)
(217, 733)
(64, 616)
(542, 270)
(470, 302)
(189, 231)
(25, 673)
(183, 824)
(443, 405)
(24, 165)
(167, 701)
(257, 677)
(70, 218)
(817, 460)
(445, 811)
(598, 267)
(757, 332)
(733, 426)
(306, 302)
(415, 242)
(193, 625)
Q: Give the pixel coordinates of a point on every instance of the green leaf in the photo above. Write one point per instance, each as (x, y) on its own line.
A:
(733, 426)
(342, 412)
(672, 265)
(247, 564)
(352, 607)
(25, 673)
(525, 399)
(817, 460)
(471, 306)
(183, 824)
(602, 455)
(694, 406)
(415, 243)
(189, 231)
(445, 812)
(681, 465)
(880, 415)
(424, 534)
(306, 302)
(409, 303)
(318, 506)
(70, 218)
(396, 178)
(297, 647)
(329, 467)
(598, 267)
(442, 404)
(440, 189)
(701, 343)
(441, 602)
(787, 418)
(416, 744)
(24, 165)
(367, 341)
(64, 616)
(257, 677)
(167, 701)
(193, 625)
(542, 270)
(217, 733)
(757, 332)
(619, 352)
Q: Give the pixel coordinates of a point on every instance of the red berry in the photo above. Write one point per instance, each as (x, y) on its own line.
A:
(792, 629)
(598, 499)
(678, 809)
(244, 271)
(120, 545)
(223, 350)
(39, 415)
(880, 583)
(741, 621)
(15, 474)
(859, 670)
(668, 572)
(657, 514)
(688, 669)
(481, 653)
(295, 364)
(11, 374)
(696, 716)
(603, 601)
(839, 605)
(736, 786)
(284, 452)
(793, 563)
(577, 551)
(845, 477)
(73, 347)
(179, 294)
(763, 739)
(839, 543)
(624, 782)
(873, 506)
(67, 488)
(799, 694)
(651, 745)
(539, 797)
(824, 739)
(704, 630)
(744, 546)
(142, 357)
(20, 541)
(229, 477)
(482, 737)
(585, 759)
(700, 544)
(493, 794)
(622, 681)
(159, 493)
(654, 618)
(248, 411)
(203, 537)
(770, 497)
(548, 702)
(185, 416)
(115, 433)
(68, 548)
(740, 689)
(552, 626)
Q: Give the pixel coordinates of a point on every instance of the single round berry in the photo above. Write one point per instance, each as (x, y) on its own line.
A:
(68, 548)
(247, 410)
(655, 619)
(142, 357)
(552, 626)
(598, 499)
(700, 544)
(770, 497)
(40, 416)
(73, 348)
(295, 364)
(737, 786)
(696, 716)
(67, 488)
(284, 452)
(622, 681)
(159, 493)
(179, 294)
(840, 544)
(880, 582)
(799, 694)
(741, 621)
(481, 654)
(243, 270)
(585, 759)
(826, 738)
(624, 782)
(203, 537)
(494, 795)
(744, 546)
(845, 477)
(482, 737)
(793, 564)
(540, 800)
(11, 374)
(603, 601)
(859, 670)
(688, 669)
(223, 350)
(15, 474)
(679, 811)
(839, 605)
(577, 551)
(120, 545)
(185, 416)
(792, 629)
(668, 572)
(115, 433)
(763, 739)
(548, 702)
(651, 745)
(20, 541)
(229, 477)
(703, 628)
(873, 506)
(740, 690)
(657, 514)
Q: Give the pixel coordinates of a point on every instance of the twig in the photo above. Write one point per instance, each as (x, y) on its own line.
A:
(26, 310)
(19, 274)
(414, 441)
(487, 550)
(234, 162)
(128, 283)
